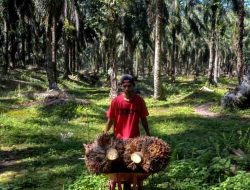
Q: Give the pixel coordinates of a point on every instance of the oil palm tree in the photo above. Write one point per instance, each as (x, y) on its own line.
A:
(134, 27)
(238, 7)
(9, 23)
(158, 94)
(26, 13)
(51, 12)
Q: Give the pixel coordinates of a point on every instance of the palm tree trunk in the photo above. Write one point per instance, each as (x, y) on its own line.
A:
(66, 59)
(103, 57)
(216, 65)
(150, 65)
(6, 53)
(230, 63)
(196, 62)
(173, 54)
(74, 57)
(176, 60)
(51, 55)
(220, 64)
(144, 59)
(36, 52)
(78, 60)
(241, 15)
(113, 75)
(211, 63)
(66, 45)
(98, 59)
(137, 64)
(189, 63)
(212, 47)
(13, 51)
(158, 22)
(131, 50)
(112, 71)
(23, 50)
(29, 43)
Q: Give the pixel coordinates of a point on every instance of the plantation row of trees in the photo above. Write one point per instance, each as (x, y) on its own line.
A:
(139, 37)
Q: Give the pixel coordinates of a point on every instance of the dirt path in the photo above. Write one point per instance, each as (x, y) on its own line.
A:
(203, 110)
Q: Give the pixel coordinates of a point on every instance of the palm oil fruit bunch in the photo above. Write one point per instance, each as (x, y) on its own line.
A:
(104, 154)
(146, 154)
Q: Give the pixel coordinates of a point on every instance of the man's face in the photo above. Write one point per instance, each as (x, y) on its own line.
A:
(127, 88)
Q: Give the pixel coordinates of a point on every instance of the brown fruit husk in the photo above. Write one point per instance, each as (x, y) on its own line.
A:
(156, 154)
(95, 155)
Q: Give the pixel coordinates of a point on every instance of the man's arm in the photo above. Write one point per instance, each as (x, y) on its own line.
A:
(109, 125)
(144, 122)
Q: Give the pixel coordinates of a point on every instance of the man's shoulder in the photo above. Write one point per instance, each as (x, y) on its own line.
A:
(138, 99)
(119, 97)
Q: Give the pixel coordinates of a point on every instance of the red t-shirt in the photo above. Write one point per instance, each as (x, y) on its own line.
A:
(126, 115)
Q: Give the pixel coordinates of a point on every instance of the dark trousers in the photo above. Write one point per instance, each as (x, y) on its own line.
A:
(127, 186)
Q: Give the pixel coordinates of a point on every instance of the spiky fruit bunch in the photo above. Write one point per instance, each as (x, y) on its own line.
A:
(155, 154)
(131, 146)
(96, 154)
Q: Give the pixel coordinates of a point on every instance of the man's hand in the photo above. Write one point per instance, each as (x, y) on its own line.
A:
(108, 126)
(145, 125)
(105, 131)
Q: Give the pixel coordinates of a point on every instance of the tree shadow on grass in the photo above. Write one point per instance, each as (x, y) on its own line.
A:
(8, 103)
(187, 86)
(33, 167)
(193, 130)
(38, 78)
(196, 98)
(170, 87)
(90, 93)
(79, 82)
(59, 113)
(46, 178)
(35, 157)
(12, 84)
(199, 96)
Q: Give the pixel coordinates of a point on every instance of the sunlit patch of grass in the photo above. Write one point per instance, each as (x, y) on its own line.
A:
(8, 176)
(61, 170)
(240, 181)
(185, 111)
(228, 82)
(21, 114)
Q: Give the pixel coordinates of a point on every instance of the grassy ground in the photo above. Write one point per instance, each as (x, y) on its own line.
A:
(40, 146)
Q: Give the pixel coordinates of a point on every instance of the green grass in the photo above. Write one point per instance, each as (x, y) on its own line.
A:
(42, 145)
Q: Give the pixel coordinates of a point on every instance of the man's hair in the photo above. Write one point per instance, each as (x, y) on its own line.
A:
(126, 78)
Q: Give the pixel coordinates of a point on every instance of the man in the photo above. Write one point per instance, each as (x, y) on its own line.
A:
(126, 110)
(125, 113)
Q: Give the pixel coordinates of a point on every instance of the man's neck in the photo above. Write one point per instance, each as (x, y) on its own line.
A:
(128, 97)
